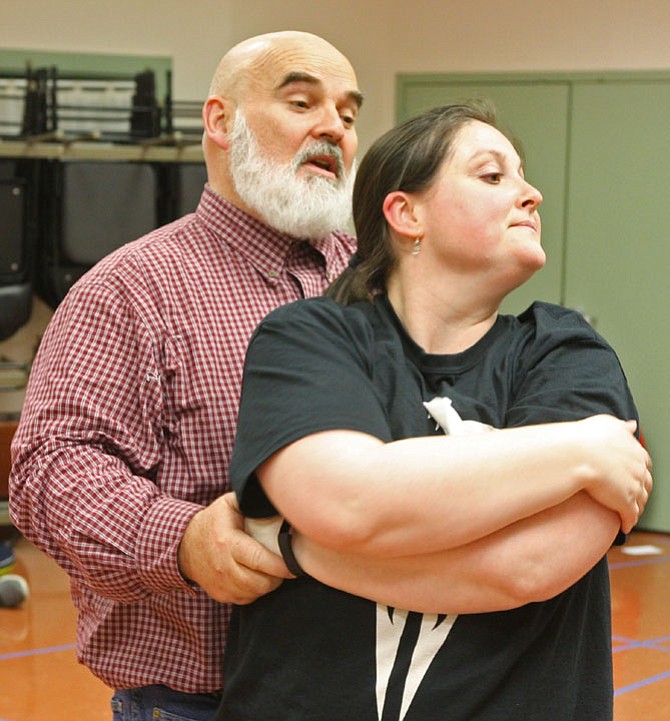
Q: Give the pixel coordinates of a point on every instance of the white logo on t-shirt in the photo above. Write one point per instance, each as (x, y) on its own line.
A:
(433, 633)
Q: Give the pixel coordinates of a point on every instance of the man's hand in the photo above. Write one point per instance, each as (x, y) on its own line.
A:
(223, 560)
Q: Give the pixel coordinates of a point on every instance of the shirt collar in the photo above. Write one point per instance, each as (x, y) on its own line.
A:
(265, 248)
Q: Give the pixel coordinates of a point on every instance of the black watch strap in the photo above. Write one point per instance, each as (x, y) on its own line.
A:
(286, 548)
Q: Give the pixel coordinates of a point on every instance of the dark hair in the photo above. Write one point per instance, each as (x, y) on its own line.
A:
(408, 158)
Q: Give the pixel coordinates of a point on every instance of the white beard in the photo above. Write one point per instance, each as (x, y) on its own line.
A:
(304, 207)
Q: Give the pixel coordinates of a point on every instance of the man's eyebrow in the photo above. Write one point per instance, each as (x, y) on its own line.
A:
(302, 77)
(298, 77)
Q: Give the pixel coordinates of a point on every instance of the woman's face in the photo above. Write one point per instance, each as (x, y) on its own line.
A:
(481, 214)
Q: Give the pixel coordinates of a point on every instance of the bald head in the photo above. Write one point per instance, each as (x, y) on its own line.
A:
(250, 61)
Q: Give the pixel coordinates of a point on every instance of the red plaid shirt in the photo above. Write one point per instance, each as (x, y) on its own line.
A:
(128, 425)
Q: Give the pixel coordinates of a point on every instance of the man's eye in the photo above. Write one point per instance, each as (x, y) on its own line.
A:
(348, 120)
(300, 104)
(494, 178)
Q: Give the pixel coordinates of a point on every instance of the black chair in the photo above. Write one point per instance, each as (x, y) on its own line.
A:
(15, 249)
(181, 188)
(89, 209)
(16, 246)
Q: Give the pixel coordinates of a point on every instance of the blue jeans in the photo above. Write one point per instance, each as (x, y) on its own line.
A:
(159, 703)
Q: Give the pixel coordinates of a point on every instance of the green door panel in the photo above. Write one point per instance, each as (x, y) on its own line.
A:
(618, 246)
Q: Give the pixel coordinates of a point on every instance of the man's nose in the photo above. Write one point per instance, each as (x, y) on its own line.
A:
(330, 125)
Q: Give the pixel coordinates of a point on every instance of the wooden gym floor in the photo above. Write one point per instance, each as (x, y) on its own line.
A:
(42, 680)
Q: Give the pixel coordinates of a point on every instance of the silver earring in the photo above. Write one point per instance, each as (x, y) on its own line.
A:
(416, 247)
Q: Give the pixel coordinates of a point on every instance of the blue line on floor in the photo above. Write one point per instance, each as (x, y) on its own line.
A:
(644, 682)
(36, 652)
(626, 639)
(639, 562)
(625, 644)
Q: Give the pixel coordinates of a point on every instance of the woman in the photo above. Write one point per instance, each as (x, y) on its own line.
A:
(494, 540)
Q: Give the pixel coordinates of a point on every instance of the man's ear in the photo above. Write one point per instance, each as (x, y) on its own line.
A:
(400, 214)
(218, 115)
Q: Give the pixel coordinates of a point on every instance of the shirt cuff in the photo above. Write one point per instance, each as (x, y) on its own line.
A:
(158, 544)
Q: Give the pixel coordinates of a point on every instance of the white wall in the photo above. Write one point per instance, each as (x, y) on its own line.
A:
(381, 37)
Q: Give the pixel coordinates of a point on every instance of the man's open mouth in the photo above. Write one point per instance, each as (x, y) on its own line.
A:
(327, 163)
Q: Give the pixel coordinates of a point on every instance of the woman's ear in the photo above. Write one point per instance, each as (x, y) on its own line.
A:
(400, 214)
(218, 115)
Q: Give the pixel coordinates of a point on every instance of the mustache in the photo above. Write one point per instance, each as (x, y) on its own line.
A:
(321, 148)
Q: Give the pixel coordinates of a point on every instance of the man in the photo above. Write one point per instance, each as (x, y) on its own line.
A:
(121, 458)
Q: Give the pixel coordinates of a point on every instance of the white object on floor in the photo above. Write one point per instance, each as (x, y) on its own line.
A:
(648, 550)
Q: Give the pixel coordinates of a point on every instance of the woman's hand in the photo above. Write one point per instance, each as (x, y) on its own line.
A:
(617, 472)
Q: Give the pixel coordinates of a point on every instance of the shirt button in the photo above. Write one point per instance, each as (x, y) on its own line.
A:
(273, 274)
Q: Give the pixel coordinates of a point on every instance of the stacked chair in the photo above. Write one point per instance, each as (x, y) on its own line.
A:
(88, 163)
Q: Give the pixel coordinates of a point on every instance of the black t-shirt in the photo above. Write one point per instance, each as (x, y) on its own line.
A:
(307, 651)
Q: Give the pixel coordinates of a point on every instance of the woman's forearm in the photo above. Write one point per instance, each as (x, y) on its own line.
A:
(531, 560)
(354, 494)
